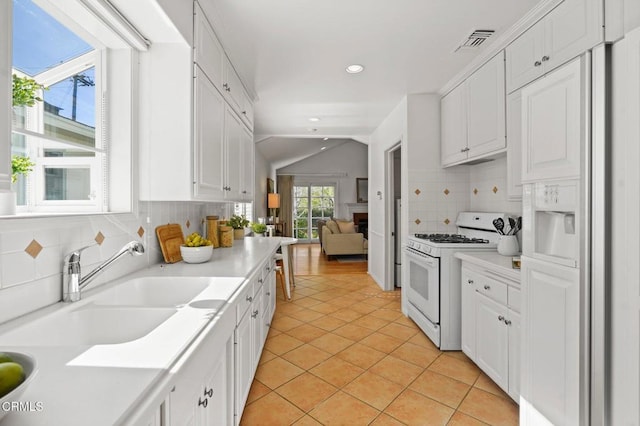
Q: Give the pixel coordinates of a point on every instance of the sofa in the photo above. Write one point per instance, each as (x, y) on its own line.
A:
(339, 237)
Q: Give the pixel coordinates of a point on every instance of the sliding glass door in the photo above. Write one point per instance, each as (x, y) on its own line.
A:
(310, 203)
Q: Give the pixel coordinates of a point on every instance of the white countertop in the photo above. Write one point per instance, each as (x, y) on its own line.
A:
(492, 261)
(102, 384)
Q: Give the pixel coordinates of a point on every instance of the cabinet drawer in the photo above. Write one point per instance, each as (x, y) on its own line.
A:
(514, 299)
(493, 289)
(243, 300)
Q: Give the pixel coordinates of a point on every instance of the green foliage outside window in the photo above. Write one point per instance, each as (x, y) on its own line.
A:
(25, 91)
(20, 166)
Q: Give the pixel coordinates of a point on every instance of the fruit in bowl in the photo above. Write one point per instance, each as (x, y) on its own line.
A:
(16, 372)
(196, 249)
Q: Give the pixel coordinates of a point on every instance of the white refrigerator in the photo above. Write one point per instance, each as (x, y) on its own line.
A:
(556, 346)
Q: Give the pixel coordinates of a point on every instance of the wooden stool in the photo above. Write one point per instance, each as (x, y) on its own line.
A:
(280, 277)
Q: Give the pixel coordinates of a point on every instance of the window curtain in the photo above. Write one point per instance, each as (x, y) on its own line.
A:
(285, 189)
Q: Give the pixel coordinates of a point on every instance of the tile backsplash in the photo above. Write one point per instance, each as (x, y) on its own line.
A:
(32, 249)
(436, 195)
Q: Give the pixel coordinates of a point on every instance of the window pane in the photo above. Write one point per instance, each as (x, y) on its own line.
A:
(67, 183)
(300, 191)
(39, 41)
(69, 109)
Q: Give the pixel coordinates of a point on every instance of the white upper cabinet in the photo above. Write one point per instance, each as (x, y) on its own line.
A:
(570, 29)
(486, 108)
(233, 141)
(232, 88)
(208, 52)
(553, 127)
(453, 118)
(248, 165)
(246, 112)
(473, 116)
(209, 116)
(514, 146)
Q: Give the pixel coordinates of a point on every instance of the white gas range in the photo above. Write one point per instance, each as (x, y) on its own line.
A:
(434, 287)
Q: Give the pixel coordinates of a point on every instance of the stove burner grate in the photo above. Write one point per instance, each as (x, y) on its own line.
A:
(451, 239)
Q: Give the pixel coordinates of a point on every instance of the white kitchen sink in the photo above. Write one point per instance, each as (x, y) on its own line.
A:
(88, 325)
(153, 292)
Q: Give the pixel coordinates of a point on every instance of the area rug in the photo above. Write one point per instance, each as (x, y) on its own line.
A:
(351, 258)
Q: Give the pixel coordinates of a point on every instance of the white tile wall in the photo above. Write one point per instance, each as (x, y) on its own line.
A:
(27, 284)
(484, 177)
(433, 207)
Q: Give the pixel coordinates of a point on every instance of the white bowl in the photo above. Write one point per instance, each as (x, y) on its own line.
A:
(29, 365)
(196, 254)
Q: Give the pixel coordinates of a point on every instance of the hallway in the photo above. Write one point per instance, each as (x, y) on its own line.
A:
(341, 353)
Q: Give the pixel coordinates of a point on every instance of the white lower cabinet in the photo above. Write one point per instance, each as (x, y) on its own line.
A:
(491, 326)
(251, 332)
(203, 390)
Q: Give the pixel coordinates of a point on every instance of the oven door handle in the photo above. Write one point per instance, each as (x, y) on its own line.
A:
(425, 258)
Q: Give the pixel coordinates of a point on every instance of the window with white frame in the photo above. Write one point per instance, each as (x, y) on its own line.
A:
(244, 209)
(64, 133)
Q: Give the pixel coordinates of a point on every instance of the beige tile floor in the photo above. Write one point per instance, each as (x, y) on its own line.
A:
(341, 353)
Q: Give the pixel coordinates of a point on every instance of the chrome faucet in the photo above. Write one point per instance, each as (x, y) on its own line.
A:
(73, 282)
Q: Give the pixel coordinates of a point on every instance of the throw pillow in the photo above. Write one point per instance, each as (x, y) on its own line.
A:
(346, 227)
(333, 227)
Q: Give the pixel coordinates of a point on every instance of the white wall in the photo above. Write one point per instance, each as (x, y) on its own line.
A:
(392, 130)
(262, 172)
(349, 158)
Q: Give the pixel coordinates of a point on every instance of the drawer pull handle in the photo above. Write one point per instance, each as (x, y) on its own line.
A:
(545, 58)
(537, 63)
(508, 322)
(203, 403)
(487, 287)
(260, 280)
(254, 314)
(208, 393)
(249, 299)
(501, 318)
(470, 282)
(268, 293)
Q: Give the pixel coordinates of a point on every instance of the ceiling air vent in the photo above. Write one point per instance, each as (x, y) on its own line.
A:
(475, 39)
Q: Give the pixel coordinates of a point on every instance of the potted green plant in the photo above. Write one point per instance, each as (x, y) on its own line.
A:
(238, 223)
(25, 91)
(259, 228)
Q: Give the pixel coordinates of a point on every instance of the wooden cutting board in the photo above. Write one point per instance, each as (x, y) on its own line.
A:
(170, 238)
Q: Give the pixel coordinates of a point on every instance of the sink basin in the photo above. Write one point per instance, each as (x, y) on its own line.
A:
(89, 325)
(153, 292)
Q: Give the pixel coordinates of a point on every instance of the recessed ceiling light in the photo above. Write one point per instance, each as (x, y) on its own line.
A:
(323, 148)
(314, 119)
(355, 68)
(312, 130)
(325, 139)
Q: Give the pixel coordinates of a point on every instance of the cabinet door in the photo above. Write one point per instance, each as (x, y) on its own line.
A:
(209, 112)
(208, 52)
(492, 340)
(232, 88)
(523, 58)
(247, 159)
(453, 110)
(552, 125)
(486, 108)
(258, 329)
(552, 366)
(513, 323)
(514, 146)
(247, 110)
(468, 307)
(233, 136)
(572, 28)
(218, 390)
(243, 360)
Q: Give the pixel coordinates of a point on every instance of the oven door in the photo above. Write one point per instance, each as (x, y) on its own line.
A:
(423, 290)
